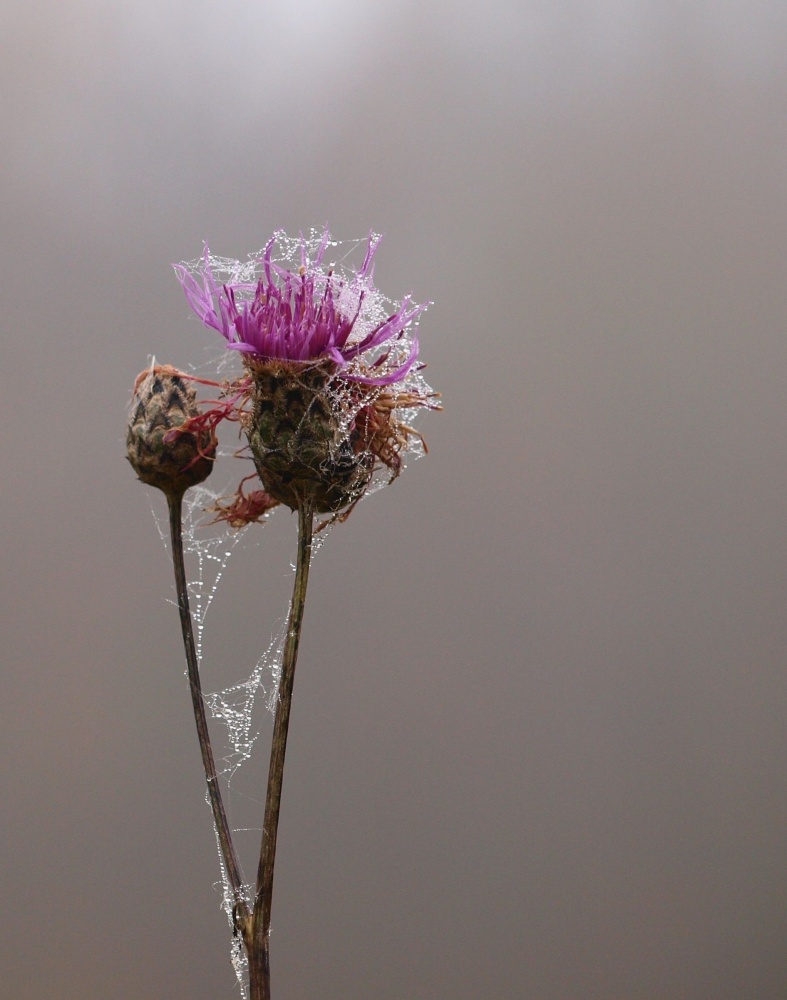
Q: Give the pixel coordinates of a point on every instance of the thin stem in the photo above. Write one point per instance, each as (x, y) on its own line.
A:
(241, 910)
(259, 960)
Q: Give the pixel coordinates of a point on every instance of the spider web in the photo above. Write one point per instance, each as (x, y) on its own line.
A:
(208, 549)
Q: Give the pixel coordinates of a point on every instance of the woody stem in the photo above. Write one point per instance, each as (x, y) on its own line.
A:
(241, 909)
(259, 958)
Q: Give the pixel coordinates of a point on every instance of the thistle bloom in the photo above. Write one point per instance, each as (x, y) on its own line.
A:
(331, 372)
(329, 385)
(309, 315)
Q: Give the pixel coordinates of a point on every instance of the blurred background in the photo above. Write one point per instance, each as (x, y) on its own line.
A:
(537, 749)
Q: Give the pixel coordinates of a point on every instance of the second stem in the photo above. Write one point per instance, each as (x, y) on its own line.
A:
(259, 958)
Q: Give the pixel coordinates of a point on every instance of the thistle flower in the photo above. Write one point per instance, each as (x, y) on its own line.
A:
(329, 384)
(164, 452)
(329, 370)
(304, 316)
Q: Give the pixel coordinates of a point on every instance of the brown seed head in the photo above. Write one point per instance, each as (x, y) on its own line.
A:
(161, 448)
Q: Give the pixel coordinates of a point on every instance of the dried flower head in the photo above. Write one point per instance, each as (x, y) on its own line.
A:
(243, 508)
(164, 451)
(331, 368)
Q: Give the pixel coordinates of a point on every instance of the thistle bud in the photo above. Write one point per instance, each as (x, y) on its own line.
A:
(302, 451)
(162, 454)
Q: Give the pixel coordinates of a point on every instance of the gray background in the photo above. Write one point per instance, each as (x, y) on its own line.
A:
(538, 736)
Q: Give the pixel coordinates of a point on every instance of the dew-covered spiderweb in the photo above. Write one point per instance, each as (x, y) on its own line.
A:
(238, 711)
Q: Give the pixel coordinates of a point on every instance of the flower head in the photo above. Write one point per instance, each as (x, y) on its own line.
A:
(308, 314)
(330, 376)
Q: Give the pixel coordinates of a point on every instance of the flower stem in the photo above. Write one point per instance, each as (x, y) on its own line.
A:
(240, 909)
(258, 953)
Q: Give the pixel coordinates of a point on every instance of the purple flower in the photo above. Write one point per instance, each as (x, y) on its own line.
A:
(309, 314)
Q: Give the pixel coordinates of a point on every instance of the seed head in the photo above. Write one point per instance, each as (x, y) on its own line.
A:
(162, 454)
